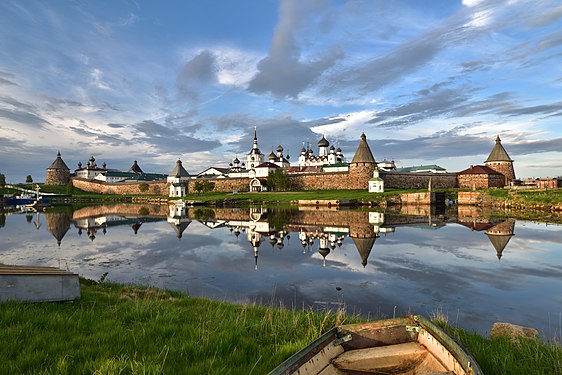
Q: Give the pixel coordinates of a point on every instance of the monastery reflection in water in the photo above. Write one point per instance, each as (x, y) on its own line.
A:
(317, 229)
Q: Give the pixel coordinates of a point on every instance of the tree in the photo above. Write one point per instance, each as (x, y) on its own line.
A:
(204, 186)
(29, 179)
(278, 180)
(143, 188)
(2, 180)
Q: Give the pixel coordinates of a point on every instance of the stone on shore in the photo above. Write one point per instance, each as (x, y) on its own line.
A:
(513, 331)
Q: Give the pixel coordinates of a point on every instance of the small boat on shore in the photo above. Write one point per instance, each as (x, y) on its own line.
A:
(408, 346)
(37, 284)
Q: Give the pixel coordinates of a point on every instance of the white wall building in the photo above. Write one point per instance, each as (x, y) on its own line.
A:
(325, 155)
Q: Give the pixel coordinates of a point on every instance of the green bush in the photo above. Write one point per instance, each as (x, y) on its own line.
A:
(143, 188)
(204, 186)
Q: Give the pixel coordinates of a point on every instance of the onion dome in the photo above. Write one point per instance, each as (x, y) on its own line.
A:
(324, 252)
(236, 161)
(332, 149)
(279, 148)
(323, 142)
(272, 241)
(303, 150)
(272, 156)
(338, 150)
(79, 165)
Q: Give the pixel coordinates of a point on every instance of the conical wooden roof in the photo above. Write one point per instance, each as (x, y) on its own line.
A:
(498, 152)
(499, 241)
(363, 153)
(180, 228)
(364, 246)
(58, 163)
(58, 224)
(179, 170)
(135, 168)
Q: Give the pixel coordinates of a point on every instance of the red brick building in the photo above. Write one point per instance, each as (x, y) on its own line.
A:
(480, 177)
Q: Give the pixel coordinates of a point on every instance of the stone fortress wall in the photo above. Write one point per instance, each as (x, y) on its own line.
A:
(356, 178)
(360, 172)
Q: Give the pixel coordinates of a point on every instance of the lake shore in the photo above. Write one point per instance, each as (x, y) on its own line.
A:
(131, 329)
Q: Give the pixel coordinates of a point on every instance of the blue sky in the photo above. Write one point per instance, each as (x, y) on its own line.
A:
(428, 82)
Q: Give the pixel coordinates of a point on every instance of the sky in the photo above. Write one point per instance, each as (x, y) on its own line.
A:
(430, 82)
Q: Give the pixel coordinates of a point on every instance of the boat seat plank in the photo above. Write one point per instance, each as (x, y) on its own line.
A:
(27, 270)
(391, 358)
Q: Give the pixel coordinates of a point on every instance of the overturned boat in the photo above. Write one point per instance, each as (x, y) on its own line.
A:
(408, 346)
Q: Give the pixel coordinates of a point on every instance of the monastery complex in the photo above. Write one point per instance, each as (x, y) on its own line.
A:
(326, 170)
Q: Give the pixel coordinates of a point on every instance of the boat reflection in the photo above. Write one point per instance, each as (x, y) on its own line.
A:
(317, 230)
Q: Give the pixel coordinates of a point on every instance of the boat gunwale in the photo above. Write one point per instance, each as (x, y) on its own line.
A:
(465, 359)
(305, 354)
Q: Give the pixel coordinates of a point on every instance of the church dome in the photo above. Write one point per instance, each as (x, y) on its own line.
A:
(272, 156)
(279, 148)
(323, 142)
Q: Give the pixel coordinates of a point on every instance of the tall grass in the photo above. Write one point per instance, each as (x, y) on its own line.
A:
(115, 329)
(505, 356)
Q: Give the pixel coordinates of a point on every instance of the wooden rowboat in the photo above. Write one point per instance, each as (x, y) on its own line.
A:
(37, 284)
(407, 346)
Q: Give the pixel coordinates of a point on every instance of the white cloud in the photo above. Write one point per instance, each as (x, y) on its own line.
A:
(352, 124)
(471, 3)
(235, 67)
(97, 79)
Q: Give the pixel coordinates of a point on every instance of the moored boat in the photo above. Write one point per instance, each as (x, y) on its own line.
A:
(408, 346)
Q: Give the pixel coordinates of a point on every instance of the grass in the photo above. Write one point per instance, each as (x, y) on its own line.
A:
(529, 197)
(127, 329)
(505, 356)
(135, 330)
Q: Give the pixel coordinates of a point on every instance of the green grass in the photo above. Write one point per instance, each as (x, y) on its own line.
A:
(114, 329)
(504, 356)
(135, 330)
(530, 197)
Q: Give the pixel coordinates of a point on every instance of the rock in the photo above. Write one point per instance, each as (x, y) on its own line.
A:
(513, 331)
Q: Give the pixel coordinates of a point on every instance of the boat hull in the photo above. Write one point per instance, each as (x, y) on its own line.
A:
(410, 345)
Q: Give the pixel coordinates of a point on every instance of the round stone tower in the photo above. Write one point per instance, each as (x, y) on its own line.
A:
(500, 162)
(58, 172)
(362, 166)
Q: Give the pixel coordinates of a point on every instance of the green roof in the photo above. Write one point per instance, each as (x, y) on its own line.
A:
(335, 165)
(136, 176)
(421, 168)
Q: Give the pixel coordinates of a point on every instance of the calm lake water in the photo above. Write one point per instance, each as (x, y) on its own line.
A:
(472, 269)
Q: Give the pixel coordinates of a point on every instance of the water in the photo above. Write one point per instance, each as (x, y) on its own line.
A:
(474, 270)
